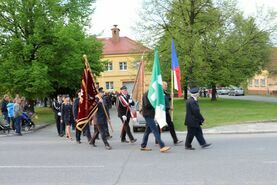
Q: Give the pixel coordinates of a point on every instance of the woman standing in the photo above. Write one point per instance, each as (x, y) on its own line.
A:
(67, 116)
(18, 110)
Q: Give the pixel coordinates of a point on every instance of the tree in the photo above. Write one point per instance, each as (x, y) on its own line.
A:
(42, 44)
(216, 45)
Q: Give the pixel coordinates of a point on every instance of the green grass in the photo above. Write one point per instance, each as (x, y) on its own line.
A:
(44, 115)
(225, 111)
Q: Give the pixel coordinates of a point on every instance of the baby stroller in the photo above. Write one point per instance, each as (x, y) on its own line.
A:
(4, 126)
(27, 122)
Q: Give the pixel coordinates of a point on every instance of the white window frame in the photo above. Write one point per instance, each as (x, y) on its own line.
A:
(262, 82)
(123, 66)
(109, 85)
(250, 83)
(256, 82)
(109, 66)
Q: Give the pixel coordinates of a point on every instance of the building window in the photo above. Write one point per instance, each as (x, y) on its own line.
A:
(250, 83)
(109, 66)
(256, 82)
(122, 66)
(109, 85)
(262, 82)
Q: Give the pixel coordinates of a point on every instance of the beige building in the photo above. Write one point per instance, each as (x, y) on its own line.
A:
(265, 83)
(123, 56)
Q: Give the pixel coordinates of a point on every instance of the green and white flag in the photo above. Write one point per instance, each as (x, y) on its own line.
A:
(156, 93)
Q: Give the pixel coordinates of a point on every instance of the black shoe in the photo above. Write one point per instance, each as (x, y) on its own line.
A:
(189, 148)
(19, 134)
(92, 143)
(178, 142)
(133, 141)
(108, 147)
(206, 145)
(124, 141)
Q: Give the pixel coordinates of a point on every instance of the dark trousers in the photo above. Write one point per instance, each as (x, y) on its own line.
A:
(100, 129)
(86, 130)
(151, 127)
(170, 127)
(197, 132)
(18, 125)
(58, 124)
(126, 130)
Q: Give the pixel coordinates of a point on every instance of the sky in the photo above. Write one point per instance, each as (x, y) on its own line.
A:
(124, 13)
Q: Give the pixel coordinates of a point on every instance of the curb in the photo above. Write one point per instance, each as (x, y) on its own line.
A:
(27, 132)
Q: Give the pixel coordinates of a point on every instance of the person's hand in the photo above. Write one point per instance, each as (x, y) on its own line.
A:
(135, 119)
(100, 100)
(124, 118)
(61, 120)
(59, 113)
(130, 100)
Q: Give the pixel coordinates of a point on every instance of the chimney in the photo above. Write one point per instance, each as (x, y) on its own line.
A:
(115, 33)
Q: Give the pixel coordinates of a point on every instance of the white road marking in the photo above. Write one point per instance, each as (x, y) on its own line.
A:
(31, 167)
(270, 162)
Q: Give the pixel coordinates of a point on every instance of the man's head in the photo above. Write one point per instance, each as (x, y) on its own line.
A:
(164, 85)
(123, 90)
(6, 98)
(194, 91)
(101, 91)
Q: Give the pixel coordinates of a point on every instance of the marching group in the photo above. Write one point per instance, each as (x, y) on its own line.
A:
(66, 115)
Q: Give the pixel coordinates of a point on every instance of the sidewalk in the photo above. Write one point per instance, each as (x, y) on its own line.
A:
(12, 133)
(244, 128)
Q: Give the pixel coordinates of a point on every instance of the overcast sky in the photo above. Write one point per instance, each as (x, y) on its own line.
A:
(125, 12)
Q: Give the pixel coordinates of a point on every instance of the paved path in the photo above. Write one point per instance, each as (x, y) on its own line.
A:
(252, 98)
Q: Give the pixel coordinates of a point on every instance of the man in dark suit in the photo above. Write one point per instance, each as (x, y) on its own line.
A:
(194, 120)
(101, 120)
(57, 110)
(124, 113)
(75, 115)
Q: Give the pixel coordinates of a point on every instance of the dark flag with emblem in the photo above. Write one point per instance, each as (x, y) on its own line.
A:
(87, 104)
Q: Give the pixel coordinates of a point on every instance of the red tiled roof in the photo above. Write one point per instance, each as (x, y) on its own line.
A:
(124, 45)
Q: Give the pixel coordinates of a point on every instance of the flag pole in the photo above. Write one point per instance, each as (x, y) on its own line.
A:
(108, 118)
(172, 95)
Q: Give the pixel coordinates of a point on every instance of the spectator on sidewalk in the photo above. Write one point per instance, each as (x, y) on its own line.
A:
(18, 110)
(4, 109)
(10, 107)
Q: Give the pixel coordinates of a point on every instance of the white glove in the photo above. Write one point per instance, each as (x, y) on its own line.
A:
(135, 119)
(59, 113)
(130, 100)
(124, 118)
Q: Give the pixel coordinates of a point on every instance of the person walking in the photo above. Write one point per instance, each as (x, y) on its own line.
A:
(148, 113)
(10, 108)
(67, 116)
(168, 117)
(86, 129)
(101, 120)
(124, 113)
(194, 120)
(57, 111)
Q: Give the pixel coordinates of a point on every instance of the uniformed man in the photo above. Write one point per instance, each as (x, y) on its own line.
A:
(124, 113)
(86, 129)
(101, 120)
(194, 120)
(57, 111)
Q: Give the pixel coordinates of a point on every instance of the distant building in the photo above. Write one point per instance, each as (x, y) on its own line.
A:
(123, 55)
(265, 83)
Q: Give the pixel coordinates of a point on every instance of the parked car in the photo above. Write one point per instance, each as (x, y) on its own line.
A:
(223, 91)
(236, 91)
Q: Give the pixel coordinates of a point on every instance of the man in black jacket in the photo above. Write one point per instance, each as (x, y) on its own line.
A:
(169, 122)
(124, 113)
(148, 113)
(75, 115)
(194, 120)
(57, 110)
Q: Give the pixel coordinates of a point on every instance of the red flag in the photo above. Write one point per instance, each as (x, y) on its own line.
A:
(87, 104)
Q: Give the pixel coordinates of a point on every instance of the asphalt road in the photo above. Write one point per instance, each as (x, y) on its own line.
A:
(252, 98)
(43, 158)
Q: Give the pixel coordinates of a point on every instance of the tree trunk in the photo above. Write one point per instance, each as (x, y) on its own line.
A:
(213, 92)
(45, 102)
